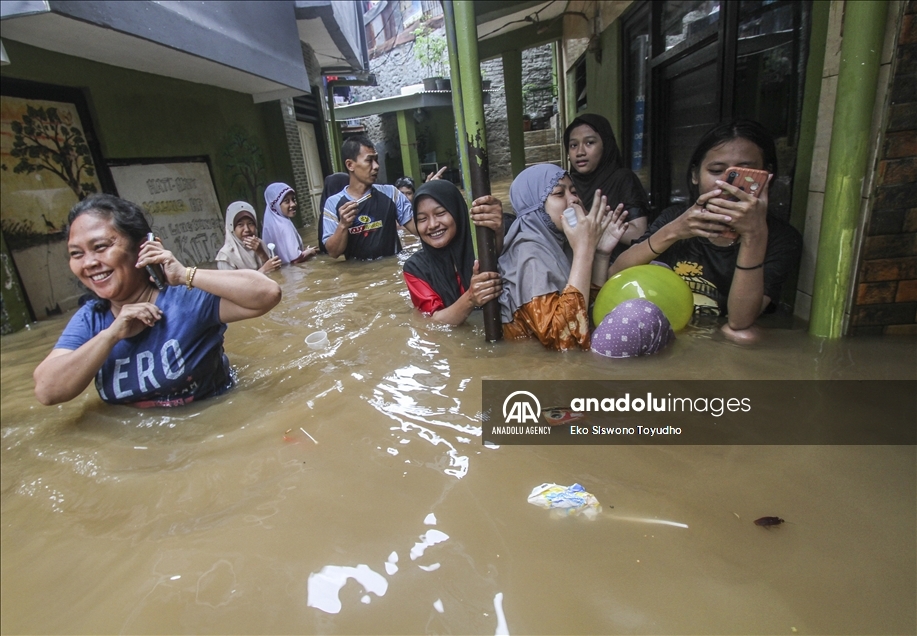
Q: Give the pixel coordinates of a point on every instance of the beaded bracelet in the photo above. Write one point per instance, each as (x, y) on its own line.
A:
(189, 276)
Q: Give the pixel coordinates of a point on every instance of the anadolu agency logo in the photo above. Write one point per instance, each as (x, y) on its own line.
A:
(521, 407)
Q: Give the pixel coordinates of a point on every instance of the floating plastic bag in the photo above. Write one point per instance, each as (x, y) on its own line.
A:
(566, 501)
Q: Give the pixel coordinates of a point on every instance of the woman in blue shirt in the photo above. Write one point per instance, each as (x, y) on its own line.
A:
(143, 345)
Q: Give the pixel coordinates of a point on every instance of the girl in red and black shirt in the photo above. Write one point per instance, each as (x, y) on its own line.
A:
(443, 277)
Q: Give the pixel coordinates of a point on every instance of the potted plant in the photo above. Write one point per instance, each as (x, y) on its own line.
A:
(430, 51)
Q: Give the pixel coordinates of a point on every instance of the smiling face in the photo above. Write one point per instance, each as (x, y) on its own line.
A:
(585, 149)
(104, 259)
(244, 227)
(563, 196)
(288, 205)
(365, 168)
(435, 225)
(739, 152)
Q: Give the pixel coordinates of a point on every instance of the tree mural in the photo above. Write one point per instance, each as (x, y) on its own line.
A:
(45, 139)
(244, 162)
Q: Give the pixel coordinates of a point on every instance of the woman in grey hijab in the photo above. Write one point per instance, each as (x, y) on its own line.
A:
(549, 265)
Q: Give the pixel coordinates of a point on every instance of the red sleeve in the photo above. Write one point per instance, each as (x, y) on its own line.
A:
(423, 296)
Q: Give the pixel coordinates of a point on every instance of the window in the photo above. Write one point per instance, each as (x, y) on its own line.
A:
(689, 64)
(579, 82)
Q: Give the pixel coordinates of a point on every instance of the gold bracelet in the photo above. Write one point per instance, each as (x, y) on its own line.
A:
(189, 276)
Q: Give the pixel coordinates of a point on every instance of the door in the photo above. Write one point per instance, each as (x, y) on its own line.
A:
(313, 165)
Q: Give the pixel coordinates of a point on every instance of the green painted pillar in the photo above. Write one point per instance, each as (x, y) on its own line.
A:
(407, 137)
(512, 82)
(864, 33)
(335, 137)
(458, 108)
(14, 312)
(466, 32)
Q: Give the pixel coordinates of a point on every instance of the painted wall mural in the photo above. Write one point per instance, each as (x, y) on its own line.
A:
(45, 168)
(243, 160)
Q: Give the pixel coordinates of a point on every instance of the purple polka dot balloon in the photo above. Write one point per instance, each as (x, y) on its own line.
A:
(634, 328)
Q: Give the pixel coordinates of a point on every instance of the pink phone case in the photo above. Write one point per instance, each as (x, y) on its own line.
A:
(748, 180)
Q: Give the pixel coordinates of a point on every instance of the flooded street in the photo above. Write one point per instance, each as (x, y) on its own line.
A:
(348, 491)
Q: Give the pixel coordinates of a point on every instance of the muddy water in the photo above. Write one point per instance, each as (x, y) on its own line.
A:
(381, 512)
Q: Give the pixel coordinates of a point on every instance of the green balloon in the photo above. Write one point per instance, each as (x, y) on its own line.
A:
(659, 285)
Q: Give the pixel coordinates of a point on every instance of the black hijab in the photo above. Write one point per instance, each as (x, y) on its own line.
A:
(334, 183)
(616, 181)
(438, 266)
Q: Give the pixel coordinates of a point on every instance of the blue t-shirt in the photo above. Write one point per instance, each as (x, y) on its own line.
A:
(176, 361)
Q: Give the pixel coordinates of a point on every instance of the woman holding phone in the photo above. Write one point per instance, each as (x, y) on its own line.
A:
(144, 345)
(733, 255)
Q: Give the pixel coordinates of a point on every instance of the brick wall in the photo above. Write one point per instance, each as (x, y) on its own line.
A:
(304, 211)
(886, 298)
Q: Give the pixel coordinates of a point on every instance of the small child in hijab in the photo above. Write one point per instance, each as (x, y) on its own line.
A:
(242, 248)
(280, 208)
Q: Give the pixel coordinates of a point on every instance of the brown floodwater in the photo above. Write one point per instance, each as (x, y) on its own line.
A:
(382, 512)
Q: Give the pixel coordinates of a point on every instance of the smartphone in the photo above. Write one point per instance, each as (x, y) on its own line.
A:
(155, 271)
(747, 180)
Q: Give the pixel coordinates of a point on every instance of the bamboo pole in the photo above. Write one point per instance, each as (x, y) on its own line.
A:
(475, 140)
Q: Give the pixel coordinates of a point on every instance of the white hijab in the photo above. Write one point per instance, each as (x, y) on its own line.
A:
(278, 229)
(234, 251)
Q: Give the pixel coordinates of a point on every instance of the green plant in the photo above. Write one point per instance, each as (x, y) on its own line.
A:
(430, 51)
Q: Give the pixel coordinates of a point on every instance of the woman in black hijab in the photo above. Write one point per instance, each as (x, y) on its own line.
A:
(443, 277)
(596, 164)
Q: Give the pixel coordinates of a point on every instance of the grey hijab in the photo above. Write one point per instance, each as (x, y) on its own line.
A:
(536, 257)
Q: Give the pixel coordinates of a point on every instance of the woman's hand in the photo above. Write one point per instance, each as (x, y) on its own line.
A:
(433, 176)
(748, 213)
(484, 286)
(253, 243)
(700, 221)
(487, 211)
(153, 253)
(270, 265)
(134, 318)
(589, 227)
(615, 230)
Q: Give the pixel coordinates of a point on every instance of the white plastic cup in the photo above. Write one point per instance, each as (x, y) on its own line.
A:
(317, 340)
(570, 215)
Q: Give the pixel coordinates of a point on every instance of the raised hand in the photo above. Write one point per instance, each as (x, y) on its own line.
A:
(153, 253)
(615, 230)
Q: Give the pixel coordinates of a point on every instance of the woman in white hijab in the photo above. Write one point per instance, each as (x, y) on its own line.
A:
(242, 248)
(280, 208)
